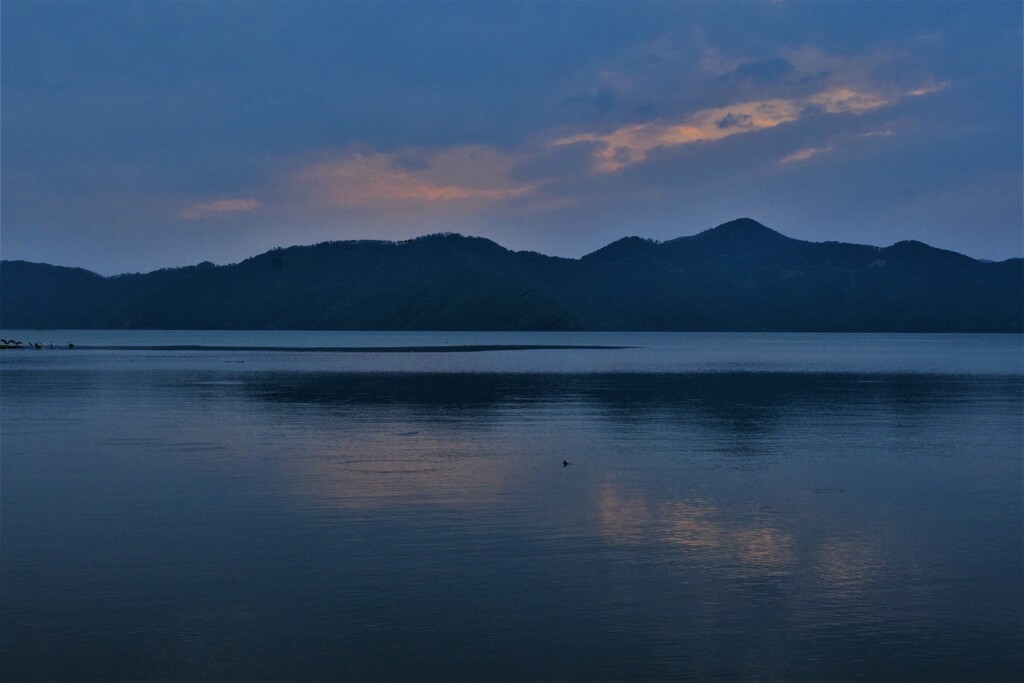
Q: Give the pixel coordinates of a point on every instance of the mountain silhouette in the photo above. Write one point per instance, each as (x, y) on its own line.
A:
(738, 276)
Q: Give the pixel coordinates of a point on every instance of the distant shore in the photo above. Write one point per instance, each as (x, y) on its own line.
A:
(454, 348)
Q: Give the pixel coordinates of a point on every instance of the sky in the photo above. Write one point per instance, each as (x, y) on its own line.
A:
(135, 136)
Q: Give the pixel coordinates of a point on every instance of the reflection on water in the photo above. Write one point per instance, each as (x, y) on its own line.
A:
(707, 533)
(236, 523)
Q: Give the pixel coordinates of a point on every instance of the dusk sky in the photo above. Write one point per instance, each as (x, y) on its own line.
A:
(140, 135)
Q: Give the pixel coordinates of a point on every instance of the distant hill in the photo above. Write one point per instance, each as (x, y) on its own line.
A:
(738, 276)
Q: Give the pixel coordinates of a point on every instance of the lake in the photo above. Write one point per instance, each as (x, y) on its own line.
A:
(737, 507)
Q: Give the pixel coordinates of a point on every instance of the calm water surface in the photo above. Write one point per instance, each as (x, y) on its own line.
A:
(738, 507)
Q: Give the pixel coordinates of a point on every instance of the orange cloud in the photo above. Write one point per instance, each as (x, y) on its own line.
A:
(632, 144)
(221, 206)
(463, 174)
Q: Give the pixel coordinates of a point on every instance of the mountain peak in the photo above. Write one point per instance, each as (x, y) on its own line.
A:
(453, 238)
(623, 246)
(741, 228)
(742, 231)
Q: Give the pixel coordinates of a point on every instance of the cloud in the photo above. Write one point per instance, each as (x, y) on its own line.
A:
(413, 177)
(633, 143)
(803, 154)
(219, 207)
(731, 120)
(847, 101)
(928, 89)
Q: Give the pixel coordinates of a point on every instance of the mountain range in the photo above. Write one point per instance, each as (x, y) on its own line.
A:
(738, 276)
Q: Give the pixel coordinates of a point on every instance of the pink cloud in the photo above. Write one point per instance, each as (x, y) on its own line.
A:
(631, 144)
(463, 174)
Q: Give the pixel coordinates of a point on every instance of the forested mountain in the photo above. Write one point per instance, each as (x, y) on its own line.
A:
(737, 276)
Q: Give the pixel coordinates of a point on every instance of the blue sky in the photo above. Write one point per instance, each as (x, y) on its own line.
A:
(143, 135)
